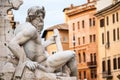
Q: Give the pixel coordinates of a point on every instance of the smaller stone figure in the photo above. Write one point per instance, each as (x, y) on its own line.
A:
(28, 49)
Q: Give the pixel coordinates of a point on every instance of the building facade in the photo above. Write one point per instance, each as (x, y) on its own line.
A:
(108, 40)
(83, 38)
(63, 31)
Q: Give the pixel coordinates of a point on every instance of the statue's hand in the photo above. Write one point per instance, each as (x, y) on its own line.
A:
(31, 65)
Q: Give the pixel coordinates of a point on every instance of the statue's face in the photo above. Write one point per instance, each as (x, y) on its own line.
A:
(16, 4)
(38, 22)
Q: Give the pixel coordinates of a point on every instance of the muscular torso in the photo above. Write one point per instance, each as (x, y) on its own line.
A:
(33, 47)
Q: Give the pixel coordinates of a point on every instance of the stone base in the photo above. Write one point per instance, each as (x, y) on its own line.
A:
(8, 71)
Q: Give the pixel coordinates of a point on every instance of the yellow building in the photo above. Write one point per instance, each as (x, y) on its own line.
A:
(11, 18)
(83, 38)
(63, 30)
(108, 39)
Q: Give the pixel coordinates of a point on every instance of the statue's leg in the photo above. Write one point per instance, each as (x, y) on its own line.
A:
(73, 66)
(59, 59)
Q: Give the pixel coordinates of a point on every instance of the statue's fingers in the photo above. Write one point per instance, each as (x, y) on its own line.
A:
(30, 66)
(36, 64)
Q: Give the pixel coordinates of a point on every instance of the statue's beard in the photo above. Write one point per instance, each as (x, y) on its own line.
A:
(39, 29)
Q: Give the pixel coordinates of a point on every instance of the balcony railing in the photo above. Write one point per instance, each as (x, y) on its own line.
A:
(92, 64)
(107, 74)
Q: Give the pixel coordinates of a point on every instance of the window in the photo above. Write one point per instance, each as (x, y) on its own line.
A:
(113, 17)
(79, 58)
(109, 67)
(93, 21)
(117, 17)
(94, 57)
(53, 52)
(118, 33)
(118, 62)
(84, 74)
(102, 23)
(107, 20)
(73, 37)
(102, 38)
(78, 41)
(114, 35)
(78, 23)
(114, 63)
(83, 23)
(90, 38)
(94, 38)
(73, 40)
(73, 26)
(84, 56)
(90, 22)
(80, 75)
(93, 73)
(83, 40)
(108, 39)
(91, 57)
(103, 66)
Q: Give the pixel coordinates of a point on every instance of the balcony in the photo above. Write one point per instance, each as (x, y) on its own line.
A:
(92, 64)
(107, 74)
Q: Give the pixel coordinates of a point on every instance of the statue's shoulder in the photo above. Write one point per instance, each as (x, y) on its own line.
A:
(25, 27)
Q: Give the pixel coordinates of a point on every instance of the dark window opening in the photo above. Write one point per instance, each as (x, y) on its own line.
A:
(90, 38)
(109, 67)
(83, 23)
(78, 23)
(84, 74)
(118, 33)
(73, 26)
(103, 66)
(114, 63)
(83, 40)
(79, 58)
(118, 62)
(94, 38)
(102, 38)
(117, 17)
(93, 21)
(102, 23)
(114, 35)
(90, 22)
(113, 17)
(84, 56)
(107, 20)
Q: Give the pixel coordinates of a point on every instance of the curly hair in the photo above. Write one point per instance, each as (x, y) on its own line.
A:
(34, 11)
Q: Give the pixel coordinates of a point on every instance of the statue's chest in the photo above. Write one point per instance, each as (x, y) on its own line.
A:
(32, 49)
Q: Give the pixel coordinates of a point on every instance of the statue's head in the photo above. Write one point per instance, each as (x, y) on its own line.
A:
(36, 16)
(16, 3)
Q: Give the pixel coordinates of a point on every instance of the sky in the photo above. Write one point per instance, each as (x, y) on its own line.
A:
(54, 10)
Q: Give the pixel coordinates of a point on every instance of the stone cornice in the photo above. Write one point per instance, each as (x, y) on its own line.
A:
(108, 9)
(79, 9)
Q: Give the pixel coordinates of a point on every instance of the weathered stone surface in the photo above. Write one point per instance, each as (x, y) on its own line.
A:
(6, 70)
(40, 75)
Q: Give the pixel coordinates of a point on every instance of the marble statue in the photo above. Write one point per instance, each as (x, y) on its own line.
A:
(28, 49)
